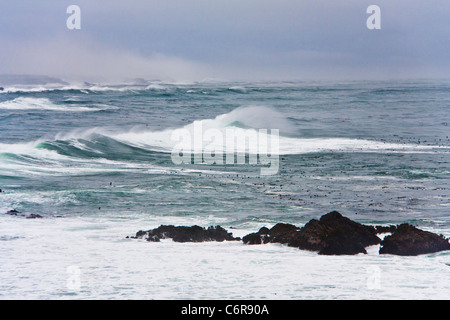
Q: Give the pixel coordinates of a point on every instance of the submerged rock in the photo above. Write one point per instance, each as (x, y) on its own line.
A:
(408, 240)
(20, 214)
(187, 234)
(13, 212)
(33, 216)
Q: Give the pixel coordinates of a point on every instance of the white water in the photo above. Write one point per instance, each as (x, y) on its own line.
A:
(41, 104)
(84, 87)
(39, 259)
(254, 118)
(251, 117)
(47, 162)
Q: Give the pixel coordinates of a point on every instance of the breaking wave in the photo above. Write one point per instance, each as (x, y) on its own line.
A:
(138, 145)
(24, 103)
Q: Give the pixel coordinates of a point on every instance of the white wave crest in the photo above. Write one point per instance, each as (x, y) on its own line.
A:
(23, 103)
(241, 120)
(254, 118)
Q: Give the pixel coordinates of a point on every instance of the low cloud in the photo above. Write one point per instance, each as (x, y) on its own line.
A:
(226, 40)
(87, 60)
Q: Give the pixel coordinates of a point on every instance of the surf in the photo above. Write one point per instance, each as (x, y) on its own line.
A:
(43, 104)
(247, 118)
(140, 144)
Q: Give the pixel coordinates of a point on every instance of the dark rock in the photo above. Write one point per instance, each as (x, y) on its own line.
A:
(187, 234)
(311, 237)
(408, 240)
(1, 88)
(255, 238)
(264, 230)
(140, 234)
(283, 232)
(13, 212)
(20, 214)
(333, 234)
(33, 216)
(280, 233)
(262, 236)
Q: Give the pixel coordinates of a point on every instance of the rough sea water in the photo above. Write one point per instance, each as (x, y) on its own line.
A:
(94, 160)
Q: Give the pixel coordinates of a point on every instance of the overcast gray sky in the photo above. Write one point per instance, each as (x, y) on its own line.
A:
(232, 39)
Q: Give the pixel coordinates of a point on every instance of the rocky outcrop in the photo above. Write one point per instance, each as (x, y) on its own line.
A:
(186, 234)
(333, 234)
(408, 240)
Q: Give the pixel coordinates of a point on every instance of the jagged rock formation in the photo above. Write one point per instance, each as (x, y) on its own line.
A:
(186, 234)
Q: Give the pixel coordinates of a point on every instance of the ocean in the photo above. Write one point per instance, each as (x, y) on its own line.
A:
(96, 162)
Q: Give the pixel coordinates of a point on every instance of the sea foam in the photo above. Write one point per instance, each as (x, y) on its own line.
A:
(24, 103)
(259, 117)
(240, 120)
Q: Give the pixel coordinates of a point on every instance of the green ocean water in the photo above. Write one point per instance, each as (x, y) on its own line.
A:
(96, 162)
(72, 149)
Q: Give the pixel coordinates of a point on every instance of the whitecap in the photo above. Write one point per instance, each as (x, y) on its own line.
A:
(23, 103)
